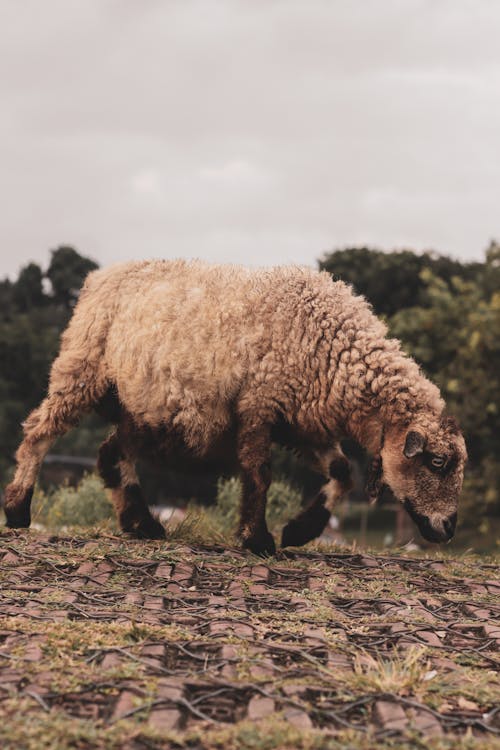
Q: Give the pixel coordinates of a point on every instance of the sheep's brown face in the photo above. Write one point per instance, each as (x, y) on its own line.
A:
(424, 467)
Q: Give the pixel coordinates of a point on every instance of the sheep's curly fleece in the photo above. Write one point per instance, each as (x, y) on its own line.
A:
(186, 343)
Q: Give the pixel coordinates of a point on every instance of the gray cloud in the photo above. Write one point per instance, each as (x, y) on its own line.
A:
(248, 130)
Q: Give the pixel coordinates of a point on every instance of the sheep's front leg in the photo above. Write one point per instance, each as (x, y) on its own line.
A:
(312, 520)
(254, 456)
(118, 473)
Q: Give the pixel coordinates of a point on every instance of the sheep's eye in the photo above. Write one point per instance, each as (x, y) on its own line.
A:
(438, 461)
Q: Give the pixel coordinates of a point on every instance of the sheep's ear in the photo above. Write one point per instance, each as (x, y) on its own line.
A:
(414, 444)
(373, 485)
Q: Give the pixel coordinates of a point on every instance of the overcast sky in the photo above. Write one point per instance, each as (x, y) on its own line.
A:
(255, 131)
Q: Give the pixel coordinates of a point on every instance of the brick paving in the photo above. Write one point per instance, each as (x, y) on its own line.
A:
(170, 638)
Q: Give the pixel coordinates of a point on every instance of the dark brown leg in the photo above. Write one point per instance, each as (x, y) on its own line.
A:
(312, 520)
(118, 473)
(308, 524)
(254, 454)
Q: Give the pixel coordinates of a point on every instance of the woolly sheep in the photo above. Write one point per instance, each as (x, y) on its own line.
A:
(199, 363)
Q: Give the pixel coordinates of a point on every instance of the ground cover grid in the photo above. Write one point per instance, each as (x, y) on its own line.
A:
(108, 642)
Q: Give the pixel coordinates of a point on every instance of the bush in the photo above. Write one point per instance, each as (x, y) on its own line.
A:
(283, 503)
(84, 505)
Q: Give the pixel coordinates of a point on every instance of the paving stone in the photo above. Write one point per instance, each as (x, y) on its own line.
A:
(315, 583)
(339, 661)
(492, 631)
(112, 660)
(217, 601)
(236, 590)
(368, 561)
(124, 704)
(259, 707)
(86, 569)
(438, 566)
(262, 667)
(398, 627)
(222, 627)
(390, 715)
(290, 689)
(182, 573)
(164, 570)
(478, 588)
(298, 718)
(429, 636)
(153, 654)
(443, 663)
(242, 630)
(33, 651)
(425, 723)
(10, 558)
(134, 597)
(477, 612)
(300, 603)
(154, 602)
(258, 589)
(164, 719)
(314, 637)
(170, 688)
(10, 679)
(260, 572)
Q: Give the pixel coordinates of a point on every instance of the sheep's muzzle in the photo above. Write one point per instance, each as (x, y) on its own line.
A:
(435, 528)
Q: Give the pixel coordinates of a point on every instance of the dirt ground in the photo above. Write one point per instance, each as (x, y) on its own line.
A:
(110, 643)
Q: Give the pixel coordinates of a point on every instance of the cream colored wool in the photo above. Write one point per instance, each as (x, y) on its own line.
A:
(186, 342)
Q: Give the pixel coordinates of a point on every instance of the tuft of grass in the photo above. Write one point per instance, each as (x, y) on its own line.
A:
(403, 674)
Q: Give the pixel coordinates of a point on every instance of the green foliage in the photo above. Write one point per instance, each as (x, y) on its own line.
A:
(84, 505)
(66, 273)
(393, 281)
(31, 322)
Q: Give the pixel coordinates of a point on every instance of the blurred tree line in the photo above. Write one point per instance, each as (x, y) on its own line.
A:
(447, 314)
(34, 310)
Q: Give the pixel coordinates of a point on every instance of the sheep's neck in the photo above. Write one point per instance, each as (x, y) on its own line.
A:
(397, 400)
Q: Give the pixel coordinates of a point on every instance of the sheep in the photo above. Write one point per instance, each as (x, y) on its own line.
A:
(202, 364)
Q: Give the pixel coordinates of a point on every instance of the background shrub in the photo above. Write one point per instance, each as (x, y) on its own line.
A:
(283, 502)
(84, 505)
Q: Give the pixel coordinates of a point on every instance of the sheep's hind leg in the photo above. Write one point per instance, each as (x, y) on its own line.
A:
(55, 416)
(117, 471)
(254, 447)
(310, 522)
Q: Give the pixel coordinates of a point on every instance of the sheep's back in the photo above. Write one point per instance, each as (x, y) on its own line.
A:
(180, 342)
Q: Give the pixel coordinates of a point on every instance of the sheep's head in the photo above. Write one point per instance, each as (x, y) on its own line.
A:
(423, 464)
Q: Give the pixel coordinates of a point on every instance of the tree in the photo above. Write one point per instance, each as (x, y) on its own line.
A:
(31, 322)
(393, 281)
(66, 272)
(28, 289)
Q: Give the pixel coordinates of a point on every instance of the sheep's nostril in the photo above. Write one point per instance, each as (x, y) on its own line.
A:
(449, 524)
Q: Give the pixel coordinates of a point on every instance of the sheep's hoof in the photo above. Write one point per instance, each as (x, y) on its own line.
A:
(262, 545)
(300, 531)
(17, 507)
(17, 519)
(149, 528)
